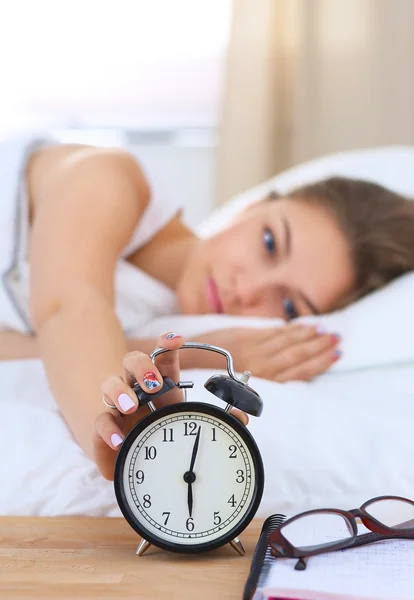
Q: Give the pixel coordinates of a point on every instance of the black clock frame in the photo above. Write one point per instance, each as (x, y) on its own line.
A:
(210, 410)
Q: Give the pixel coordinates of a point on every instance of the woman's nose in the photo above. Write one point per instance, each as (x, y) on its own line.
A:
(253, 290)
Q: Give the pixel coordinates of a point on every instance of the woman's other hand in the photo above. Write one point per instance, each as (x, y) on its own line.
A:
(292, 352)
(112, 425)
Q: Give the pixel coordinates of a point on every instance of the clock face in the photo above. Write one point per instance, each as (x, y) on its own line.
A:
(189, 477)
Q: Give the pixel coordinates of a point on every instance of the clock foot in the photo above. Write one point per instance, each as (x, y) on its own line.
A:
(143, 546)
(238, 546)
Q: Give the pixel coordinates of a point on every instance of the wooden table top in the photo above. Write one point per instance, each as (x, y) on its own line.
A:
(80, 558)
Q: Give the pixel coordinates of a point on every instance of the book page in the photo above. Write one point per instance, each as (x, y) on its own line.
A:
(380, 570)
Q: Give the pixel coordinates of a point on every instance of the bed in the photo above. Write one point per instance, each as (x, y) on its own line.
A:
(336, 441)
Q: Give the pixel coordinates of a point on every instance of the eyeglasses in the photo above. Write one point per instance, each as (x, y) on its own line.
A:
(325, 530)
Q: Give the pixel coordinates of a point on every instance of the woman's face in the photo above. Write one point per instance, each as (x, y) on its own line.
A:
(282, 258)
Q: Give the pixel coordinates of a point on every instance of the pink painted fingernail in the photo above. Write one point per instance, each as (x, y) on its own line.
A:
(172, 335)
(125, 402)
(116, 439)
(150, 380)
(337, 354)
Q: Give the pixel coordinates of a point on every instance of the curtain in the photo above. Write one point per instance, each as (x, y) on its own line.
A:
(308, 77)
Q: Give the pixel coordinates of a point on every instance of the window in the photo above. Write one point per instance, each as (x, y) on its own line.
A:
(140, 64)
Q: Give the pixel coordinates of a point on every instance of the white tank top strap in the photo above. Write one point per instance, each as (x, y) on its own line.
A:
(160, 210)
(13, 229)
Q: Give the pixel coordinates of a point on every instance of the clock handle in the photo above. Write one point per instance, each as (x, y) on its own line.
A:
(233, 390)
(191, 345)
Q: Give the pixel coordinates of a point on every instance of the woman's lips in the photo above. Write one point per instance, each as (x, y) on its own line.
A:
(213, 296)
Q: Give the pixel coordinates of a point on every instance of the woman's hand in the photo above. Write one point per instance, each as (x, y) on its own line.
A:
(112, 425)
(292, 352)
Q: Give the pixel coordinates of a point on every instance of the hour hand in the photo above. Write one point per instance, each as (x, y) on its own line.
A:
(189, 478)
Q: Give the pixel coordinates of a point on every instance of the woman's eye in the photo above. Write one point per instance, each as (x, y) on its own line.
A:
(269, 240)
(289, 308)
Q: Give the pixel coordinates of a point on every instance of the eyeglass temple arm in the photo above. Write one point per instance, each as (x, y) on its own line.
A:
(360, 540)
(369, 538)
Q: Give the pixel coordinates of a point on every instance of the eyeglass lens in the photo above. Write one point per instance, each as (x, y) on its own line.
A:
(317, 529)
(392, 513)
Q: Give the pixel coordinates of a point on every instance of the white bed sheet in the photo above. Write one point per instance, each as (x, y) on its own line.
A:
(333, 442)
(336, 441)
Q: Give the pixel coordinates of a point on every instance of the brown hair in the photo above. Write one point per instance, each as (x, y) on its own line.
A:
(378, 223)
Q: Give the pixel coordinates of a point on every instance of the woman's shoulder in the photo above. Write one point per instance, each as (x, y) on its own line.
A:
(50, 161)
(158, 203)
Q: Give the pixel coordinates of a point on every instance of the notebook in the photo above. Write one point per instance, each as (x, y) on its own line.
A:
(383, 570)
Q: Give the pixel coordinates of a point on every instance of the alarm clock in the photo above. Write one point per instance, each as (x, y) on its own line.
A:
(189, 477)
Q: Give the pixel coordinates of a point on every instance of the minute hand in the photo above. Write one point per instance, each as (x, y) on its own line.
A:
(195, 449)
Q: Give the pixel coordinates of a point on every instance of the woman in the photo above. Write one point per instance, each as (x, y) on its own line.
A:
(311, 252)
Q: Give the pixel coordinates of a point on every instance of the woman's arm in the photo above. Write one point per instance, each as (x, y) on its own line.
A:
(294, 352)
(89, 203)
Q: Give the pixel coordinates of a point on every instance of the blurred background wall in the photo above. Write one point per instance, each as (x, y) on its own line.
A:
(218, 94)
(147, 73)
(307, 77)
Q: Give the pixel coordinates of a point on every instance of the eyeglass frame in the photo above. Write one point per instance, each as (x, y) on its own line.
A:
(284, 549)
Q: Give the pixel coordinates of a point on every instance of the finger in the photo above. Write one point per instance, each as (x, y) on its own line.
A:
(116, 391)
(108, 438)
(240, 415)
(310, 368)
(169, 362)
(301, 351)
(140, 368)
(107, 428)
(294, 335)
(280, 333)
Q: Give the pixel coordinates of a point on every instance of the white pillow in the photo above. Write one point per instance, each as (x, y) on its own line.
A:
(391, 166)
(377, 330)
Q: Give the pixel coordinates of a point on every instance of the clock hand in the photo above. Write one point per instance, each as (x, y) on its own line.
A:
(190, 498)
(195, 449)
(189, 476)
